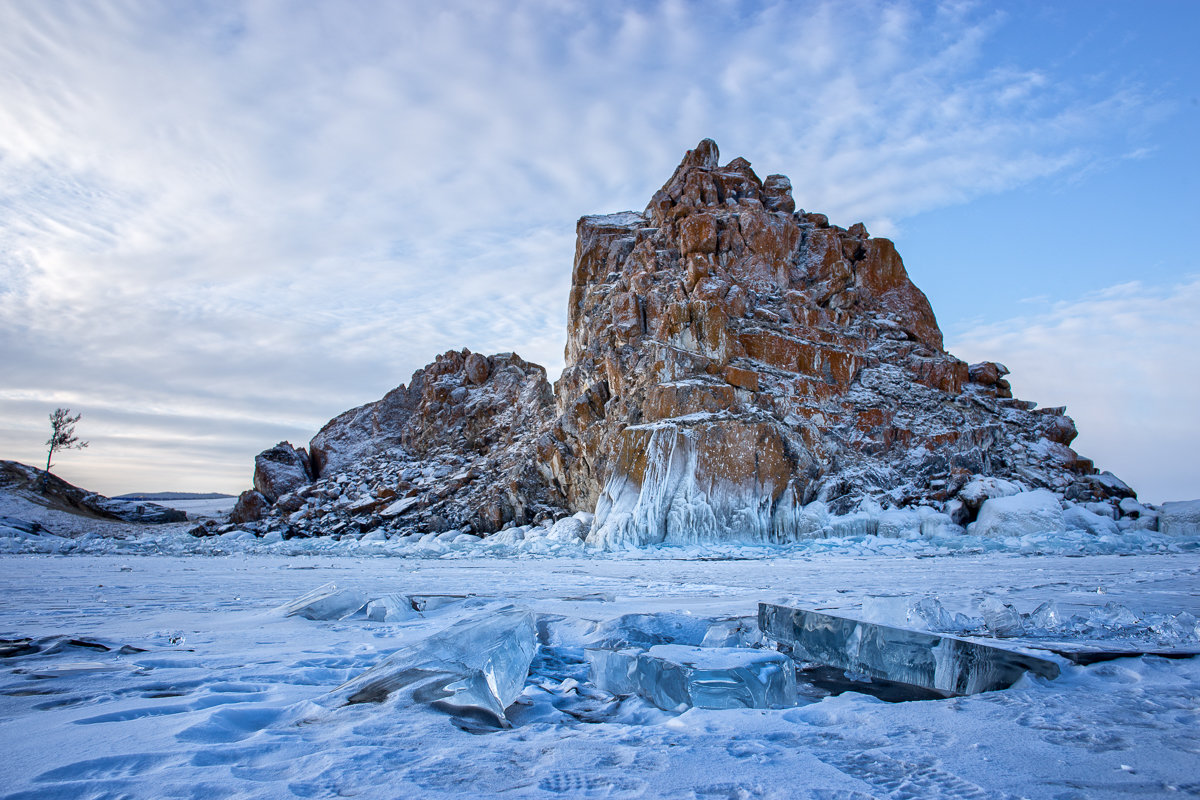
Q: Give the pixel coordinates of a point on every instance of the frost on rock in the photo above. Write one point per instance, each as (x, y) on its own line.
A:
(678, 677)
(326, 602)
(932, 661)
(1024, 513)
(474, 669)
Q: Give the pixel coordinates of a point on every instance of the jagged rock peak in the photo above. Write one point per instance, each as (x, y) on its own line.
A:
(730, 359)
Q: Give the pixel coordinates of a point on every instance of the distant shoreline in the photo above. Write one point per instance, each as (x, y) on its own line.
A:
(155, 496)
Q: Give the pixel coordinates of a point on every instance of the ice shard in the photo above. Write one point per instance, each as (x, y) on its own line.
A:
(614, 671)
(678, 677)
(326, 602)
(473, 669)
(944, 663)
(741, 632)
(391, 608)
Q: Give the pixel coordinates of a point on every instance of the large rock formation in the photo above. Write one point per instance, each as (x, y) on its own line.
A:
(730, 359)
(735, 369)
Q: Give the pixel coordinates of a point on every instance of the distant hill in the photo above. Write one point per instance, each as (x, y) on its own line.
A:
(156, 496)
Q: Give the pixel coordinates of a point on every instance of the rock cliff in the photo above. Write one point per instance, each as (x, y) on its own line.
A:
(730, 360)
(736, 369)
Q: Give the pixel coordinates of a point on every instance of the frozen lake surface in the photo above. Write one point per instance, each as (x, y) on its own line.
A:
(227, 698)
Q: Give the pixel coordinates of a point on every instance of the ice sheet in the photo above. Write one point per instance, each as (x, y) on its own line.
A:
(614, 671)
(230, 713)
(678, 677)
(391, 608)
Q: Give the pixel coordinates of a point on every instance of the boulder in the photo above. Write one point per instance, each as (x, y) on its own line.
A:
(281, 469)
(1020, 514)
(250, 507)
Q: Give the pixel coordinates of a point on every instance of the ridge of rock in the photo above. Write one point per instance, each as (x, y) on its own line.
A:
(730, 362)
(52, 492)
(454, 449)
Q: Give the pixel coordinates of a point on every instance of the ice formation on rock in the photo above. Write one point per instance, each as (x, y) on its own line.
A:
(1181, 518)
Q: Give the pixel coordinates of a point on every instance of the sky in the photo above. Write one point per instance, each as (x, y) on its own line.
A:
(223, 223)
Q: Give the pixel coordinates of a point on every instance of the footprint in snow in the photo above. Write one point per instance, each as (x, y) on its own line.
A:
(585, 784)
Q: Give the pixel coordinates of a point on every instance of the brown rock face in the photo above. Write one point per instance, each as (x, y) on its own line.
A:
(727, 355)
(250, 507)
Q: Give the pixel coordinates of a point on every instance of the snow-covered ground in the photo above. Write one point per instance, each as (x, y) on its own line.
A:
(229, 699)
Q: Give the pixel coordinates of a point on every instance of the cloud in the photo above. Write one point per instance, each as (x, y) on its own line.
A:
(1126, 364)
(277, 211)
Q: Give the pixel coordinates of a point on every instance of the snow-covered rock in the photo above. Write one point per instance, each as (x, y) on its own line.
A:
(1079, 518)
(982, 488)
(1180, 518)
(1024, 513)
(568, 530)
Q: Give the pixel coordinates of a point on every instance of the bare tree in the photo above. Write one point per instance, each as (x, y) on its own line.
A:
(62, 436)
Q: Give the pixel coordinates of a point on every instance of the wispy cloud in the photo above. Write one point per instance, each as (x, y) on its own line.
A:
(1126, 362)
(277, 211)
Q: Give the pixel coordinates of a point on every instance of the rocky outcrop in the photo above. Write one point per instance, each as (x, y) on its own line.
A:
(730, 359)
(455, 449)
(736, 369)
(53, 492)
